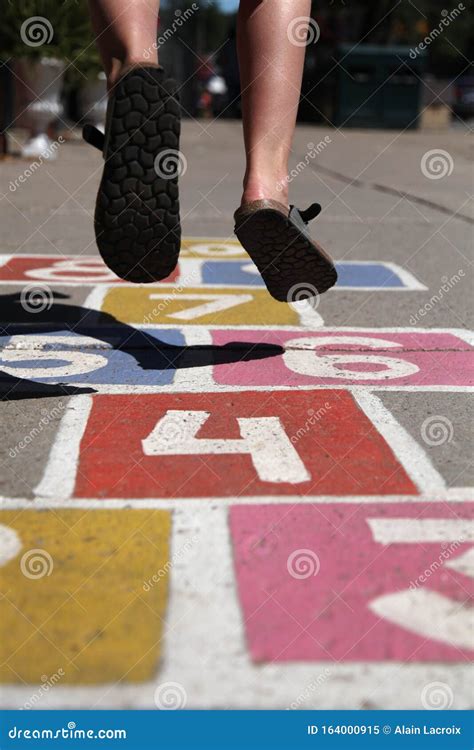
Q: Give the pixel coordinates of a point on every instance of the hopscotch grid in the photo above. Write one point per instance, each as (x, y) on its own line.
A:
(145, 691)
(263, 498)
(409, 281)
(169, 503)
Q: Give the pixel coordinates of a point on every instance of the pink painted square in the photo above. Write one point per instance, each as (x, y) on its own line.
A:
(344, 582)
(344, 357)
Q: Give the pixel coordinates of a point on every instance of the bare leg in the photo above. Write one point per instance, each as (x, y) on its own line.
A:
(125, 33)
(271, 70)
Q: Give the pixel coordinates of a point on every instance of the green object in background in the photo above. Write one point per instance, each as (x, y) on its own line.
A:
(378, 87)
(36, 29)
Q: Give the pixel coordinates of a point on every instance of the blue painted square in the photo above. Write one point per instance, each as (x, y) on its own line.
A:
(139, 357)
(231, 272)
(373, 275)
(351, 275)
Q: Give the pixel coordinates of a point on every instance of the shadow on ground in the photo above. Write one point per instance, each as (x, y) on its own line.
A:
(148, 351)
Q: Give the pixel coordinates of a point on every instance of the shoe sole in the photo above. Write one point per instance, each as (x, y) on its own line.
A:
(136, 221)
(293, 266)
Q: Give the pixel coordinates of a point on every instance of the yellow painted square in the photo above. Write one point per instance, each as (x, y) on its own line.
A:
(75, 602)
(175, 305)
(212, 248)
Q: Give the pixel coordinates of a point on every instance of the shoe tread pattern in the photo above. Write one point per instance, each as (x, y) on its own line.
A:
(285, 257)
(137, 221)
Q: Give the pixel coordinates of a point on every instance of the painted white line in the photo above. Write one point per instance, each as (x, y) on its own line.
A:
(388, 685)
(466, 493)
(309, 317)
(4, 259)
(8, 503)
(59, 478)
(421, 530)
(410, 454)
(96, 296)
(411, 283)
(185, 376)
(463, 334)
(190, 382)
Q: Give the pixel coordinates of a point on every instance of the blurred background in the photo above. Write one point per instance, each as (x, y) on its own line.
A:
(373, 65)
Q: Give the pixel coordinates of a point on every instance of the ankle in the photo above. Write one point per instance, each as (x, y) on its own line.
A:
(119, 66)
(266, 186)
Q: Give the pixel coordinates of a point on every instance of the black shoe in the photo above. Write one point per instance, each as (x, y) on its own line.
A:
(293, 266)
(136, 222)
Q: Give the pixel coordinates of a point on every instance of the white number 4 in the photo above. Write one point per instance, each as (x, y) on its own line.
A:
(263, 438)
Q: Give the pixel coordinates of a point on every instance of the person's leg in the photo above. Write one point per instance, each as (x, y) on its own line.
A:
(271, 70)
(125, 33)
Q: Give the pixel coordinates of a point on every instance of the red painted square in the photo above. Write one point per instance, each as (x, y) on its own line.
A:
(318, 583)
(84, 269)
(310, 442)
